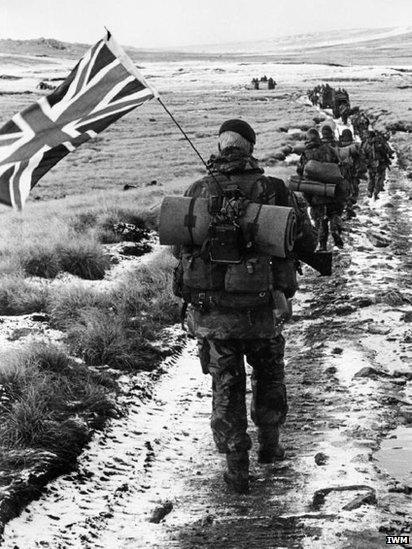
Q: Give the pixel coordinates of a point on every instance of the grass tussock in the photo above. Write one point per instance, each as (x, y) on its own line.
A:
(17, 296)
(81, 257)
(120, 328)
(41, 392)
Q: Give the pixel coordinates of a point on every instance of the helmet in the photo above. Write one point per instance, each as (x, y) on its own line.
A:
(241, 127)
(327, 131)
(346, 136)
(312, 136)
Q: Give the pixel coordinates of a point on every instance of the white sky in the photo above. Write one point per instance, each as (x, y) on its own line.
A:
(159, 23)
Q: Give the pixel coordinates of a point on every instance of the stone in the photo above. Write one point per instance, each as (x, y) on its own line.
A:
(321, 458)
(337, 351)
(161, 511)
(369, 372)
(377, 329)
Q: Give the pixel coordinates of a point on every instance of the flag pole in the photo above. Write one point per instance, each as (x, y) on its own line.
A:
(129, 65)
(185, 135)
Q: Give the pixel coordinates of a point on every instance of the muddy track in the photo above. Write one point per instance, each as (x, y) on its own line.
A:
(153, 478)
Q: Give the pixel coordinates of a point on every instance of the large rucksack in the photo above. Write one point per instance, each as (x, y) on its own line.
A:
(251, 281)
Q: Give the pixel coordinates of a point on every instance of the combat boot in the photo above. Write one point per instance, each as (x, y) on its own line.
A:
(270, 449)
(237, 474)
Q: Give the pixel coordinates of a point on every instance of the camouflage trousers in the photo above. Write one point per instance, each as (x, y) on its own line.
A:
(376, 180)
(224, 360)
(325, 217)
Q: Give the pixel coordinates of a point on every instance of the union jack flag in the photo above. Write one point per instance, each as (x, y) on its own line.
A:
(104, 86)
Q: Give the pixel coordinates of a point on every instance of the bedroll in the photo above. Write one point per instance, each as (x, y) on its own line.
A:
(325, 172)
(313, 187)
(185, 221)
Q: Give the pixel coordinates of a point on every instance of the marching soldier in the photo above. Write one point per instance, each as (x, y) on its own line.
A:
(378, 157)
(232, 326)
(325, 211)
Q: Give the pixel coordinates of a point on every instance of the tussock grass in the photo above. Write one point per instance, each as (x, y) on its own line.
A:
(41, 391)
(82, 258)
(17, 296)
(120, 328)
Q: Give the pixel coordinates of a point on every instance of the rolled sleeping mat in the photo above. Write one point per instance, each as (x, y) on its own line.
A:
(316, 188)
(326, 172)
(185, 220)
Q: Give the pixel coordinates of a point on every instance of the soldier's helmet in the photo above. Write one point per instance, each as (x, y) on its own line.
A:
(241, 127)
(346, 138)
(327, 132)
(312, 136)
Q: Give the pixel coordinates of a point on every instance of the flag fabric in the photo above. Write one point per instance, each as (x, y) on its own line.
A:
(104, 86)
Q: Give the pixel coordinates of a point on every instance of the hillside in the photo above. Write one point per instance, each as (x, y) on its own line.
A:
(346, 47)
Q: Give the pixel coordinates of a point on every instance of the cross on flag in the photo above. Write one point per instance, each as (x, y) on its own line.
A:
(104, 86)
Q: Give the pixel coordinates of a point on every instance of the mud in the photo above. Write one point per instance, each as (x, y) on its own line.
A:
(159, 460)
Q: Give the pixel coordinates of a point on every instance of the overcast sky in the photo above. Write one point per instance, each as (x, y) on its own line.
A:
(159, 23)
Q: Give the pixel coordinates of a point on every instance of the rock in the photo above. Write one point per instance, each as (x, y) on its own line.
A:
(378, 240)
(361, 500)
(331, 370)
(369, 372)
(127, 187)
(399, 373)
(37, 317)
(337, 350)
(160, 512)
(319, 119)
(134, 250)
(320, 495)
(151, 183)
(343, 309)
(378, 329)
(283, 129)
(407, 317)
(321, 458)
(362, 302)
(279, 156)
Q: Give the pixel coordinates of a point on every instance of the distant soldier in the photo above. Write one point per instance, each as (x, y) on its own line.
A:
(360, 122)
(378, 157)
(271, 84)
(328, 136)
(351, 168)
(264, 78)
(325, 211)
(231, 324)
(255, 83)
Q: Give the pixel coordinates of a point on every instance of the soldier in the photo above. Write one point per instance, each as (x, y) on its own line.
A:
(351, 167)
(378, 157)
(228, 325)
(271, 84)
(325, 211)
(328, 137)
(360, 123)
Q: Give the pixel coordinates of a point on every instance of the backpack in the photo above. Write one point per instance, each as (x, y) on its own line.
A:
(227, 271)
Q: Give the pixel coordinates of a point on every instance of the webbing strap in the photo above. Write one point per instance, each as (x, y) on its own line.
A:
(190, 219)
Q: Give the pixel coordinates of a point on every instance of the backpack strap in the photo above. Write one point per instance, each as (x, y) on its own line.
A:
(190, 220)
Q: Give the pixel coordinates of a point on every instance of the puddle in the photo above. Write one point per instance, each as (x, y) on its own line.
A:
(395, 454)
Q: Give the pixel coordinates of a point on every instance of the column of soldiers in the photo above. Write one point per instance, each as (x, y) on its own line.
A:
(370, 154)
